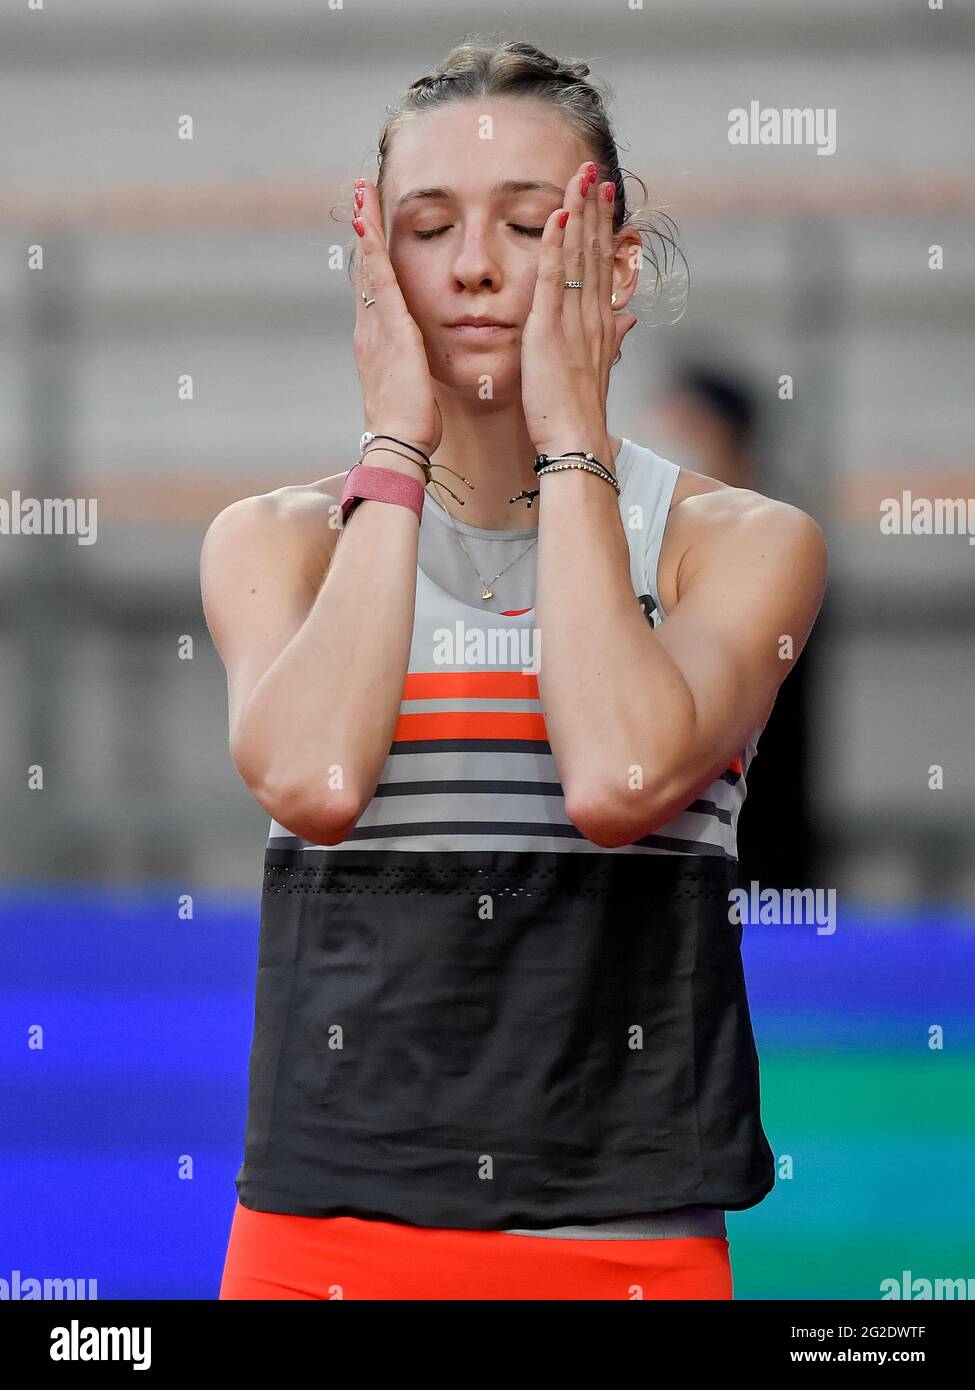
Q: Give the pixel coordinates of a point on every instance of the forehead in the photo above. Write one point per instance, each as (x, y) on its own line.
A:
(471, 144)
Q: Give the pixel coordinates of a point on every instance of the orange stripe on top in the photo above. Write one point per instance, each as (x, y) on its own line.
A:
(483, 685)
(462, 723)
(472, 685)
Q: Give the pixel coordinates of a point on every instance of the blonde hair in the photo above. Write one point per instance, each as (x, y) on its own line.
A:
(478, 68)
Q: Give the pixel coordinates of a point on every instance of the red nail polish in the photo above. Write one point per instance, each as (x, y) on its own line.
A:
(609, 192)
(358, 197)
(358, 226)
(591, 173)
(360, 183)
(563, 217)
(583, 185)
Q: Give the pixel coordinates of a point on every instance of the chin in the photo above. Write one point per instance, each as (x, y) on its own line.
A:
(464, 372)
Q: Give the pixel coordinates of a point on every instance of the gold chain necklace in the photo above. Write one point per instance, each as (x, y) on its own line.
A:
(486, 591)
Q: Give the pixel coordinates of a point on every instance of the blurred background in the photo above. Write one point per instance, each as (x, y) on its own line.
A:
(132, 852)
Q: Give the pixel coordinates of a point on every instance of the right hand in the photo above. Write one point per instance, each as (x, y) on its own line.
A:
(397, 390)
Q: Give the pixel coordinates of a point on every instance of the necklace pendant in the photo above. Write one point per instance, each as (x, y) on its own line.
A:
(488, 592)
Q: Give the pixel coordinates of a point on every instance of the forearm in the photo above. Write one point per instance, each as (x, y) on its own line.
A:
(318, 726)
(619, 714)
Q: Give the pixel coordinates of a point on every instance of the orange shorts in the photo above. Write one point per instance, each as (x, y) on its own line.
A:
(271, 1255)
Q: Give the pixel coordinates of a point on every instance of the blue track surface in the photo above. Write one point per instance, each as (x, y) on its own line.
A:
(121, 1136)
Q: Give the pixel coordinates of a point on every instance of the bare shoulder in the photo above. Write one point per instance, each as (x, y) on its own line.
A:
(710, 519)
(735, 517)
(300, 520)
(737, 549)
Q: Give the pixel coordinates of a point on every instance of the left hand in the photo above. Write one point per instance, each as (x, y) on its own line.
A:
(571, 337)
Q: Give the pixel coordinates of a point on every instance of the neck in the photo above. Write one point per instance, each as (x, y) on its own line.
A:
(495, 451)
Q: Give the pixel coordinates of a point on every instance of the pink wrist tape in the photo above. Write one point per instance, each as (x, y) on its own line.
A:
(380, 485)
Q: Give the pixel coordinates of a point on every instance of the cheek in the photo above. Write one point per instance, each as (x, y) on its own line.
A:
(414, 280)
(524, 281)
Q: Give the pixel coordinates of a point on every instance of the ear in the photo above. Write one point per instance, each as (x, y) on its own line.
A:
(626, 268)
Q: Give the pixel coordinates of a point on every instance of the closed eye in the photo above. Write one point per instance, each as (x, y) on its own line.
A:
(438, 231)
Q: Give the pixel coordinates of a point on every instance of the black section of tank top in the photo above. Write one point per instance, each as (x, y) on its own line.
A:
(497, 1039)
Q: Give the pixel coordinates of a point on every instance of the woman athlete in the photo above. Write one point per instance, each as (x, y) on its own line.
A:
(502, 1047)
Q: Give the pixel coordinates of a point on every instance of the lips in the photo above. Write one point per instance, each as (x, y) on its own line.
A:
(477, 328)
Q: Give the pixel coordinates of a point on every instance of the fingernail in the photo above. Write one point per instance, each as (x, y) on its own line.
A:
(591, 173)
(358, 197)
(563, 217)
(583, 185)
(609, 192)
(359, 227)
(360, 183)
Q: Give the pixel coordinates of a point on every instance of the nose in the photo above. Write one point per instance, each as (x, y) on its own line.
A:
(477, 264)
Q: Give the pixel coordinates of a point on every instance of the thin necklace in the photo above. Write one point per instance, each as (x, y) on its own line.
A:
(486, 591)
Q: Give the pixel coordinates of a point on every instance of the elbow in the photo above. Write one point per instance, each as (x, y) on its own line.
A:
(607, 819)
(325, 818)
(612, 814)
(314, 812)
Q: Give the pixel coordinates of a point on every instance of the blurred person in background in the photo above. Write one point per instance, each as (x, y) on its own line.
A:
(709, 420)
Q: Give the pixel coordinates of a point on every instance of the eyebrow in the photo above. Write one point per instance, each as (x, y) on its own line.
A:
(505, 187)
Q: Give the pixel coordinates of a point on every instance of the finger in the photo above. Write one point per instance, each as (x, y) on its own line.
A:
(591, 310)
(549, 288)
(606, 254)
(358, 275)
(574, 255)
(375, 274)
(361, 265)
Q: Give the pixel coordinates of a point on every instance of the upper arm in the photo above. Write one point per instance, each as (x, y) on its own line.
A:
(261, 566)
(749, 590)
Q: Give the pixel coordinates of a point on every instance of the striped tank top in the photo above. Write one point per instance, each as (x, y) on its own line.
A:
(469, 1015)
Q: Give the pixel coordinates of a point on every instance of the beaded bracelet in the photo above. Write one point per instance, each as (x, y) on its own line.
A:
(549, 463)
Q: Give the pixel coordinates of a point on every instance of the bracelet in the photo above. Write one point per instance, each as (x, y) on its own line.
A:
(368, 437)
(547, 463)
(385, 449)
(426, 466)
(380, 485)
(585, 467)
